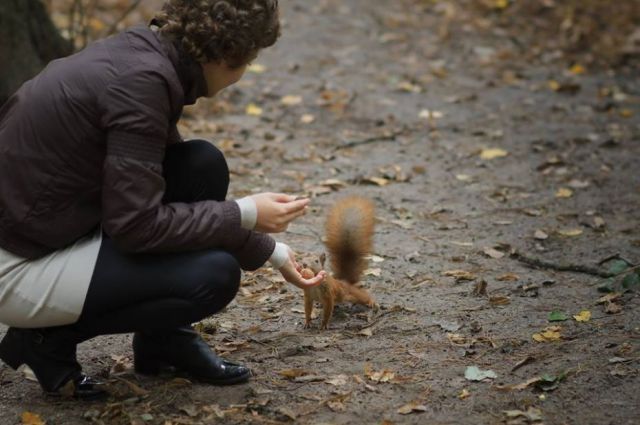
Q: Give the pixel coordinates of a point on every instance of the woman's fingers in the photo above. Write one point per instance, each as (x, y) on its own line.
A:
(314, 281)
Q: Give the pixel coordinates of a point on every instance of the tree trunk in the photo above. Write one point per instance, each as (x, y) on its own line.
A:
(28, 41)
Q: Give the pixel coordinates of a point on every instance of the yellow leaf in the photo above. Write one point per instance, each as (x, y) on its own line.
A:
(583, 316)
(550, 333)
(563, 192)
(577, 69)
(291, 100)
(570, 232)
(307, 119)
(492, 153)
(500, 4)
(256, 68)
(464, 394)
(253, 109)
(554, 85)
(626, 113)
(29, 418)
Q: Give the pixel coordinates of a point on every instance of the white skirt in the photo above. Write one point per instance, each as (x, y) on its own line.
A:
(48, 291)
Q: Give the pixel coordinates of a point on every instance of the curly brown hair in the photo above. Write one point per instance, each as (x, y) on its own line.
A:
(215, 30)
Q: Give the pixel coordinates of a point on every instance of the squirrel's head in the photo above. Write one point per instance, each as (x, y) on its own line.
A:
(315, 263)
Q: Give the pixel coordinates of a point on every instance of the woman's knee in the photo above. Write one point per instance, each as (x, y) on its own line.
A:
(217, 280)
(195, 170)
(204, 157)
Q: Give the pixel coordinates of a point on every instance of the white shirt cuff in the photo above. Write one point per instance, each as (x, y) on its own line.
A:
(280, 255)
(248, 213)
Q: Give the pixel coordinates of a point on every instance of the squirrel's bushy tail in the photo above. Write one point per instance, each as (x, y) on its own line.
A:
(349, 232)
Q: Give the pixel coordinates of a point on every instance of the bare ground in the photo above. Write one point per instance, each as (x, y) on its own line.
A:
(392, 100)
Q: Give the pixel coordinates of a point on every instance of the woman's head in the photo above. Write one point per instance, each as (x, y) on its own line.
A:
(221, 30)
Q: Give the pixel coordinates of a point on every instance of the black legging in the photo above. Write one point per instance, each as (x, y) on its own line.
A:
(151, 292)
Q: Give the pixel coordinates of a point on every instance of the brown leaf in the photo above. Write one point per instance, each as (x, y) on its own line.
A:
(413, 407)
(508, 277)
(293, 373)
(480, 288)
(612, 308)
(499, 300)
(460, 275)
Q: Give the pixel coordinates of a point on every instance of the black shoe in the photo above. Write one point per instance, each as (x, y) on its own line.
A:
(184, 349)
(82, 387)
(51, 355)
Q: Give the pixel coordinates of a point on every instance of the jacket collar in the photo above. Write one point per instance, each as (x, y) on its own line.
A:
(189, 70)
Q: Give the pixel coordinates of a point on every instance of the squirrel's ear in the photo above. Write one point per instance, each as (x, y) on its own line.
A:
(323, 258)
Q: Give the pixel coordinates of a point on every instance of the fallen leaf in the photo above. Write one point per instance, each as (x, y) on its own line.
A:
(384, 375)
(550, 333)
(493, 253)
(291, 100)
(577, 69)
(379, 181)
(480, 288)
(612, 308)
(532, 414)
(492, 153)
(473, 373)
(29, 418)
(372, 272)
(570, 232)
(520, 386)
(293, 373)
(508, 277)
(583, 316)
(257, 68)
(563, 192)
(412, 407)
(366, 332)
(457, 339)
(609, 298)
(307, 119)
(464, 394)
(253, 109)
(557, 316)
(459, 275)
(337, 380)
(540, 235)
(499, 300)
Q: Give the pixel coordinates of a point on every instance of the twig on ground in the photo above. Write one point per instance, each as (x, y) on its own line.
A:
(578, 268)
(614, 257)
(386, 137)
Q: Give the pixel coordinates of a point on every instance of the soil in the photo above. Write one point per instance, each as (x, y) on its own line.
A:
(402, 109)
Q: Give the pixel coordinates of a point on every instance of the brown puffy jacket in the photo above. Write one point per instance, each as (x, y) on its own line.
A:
(82, 145)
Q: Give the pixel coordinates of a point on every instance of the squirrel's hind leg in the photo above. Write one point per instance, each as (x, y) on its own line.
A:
(327, 312)
(308, 310)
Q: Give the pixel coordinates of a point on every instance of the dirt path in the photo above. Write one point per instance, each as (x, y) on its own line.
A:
(418, 112)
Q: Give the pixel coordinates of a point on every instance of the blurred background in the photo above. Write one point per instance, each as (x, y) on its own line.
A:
(588, 33)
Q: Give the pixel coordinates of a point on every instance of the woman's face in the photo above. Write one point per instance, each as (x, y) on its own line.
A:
(220, 75)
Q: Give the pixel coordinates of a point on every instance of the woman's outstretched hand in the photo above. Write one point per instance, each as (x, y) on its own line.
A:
(291, 273)
(277, 210)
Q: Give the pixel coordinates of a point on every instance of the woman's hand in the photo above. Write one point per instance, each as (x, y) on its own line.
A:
(291, 273)
(277, 210)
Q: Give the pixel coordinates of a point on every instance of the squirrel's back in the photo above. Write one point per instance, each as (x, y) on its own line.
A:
(349, 233)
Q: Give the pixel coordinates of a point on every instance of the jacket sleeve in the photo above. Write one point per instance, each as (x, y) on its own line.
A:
(136, 120)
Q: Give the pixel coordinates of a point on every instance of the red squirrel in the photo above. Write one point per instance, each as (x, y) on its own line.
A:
(349, 238)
